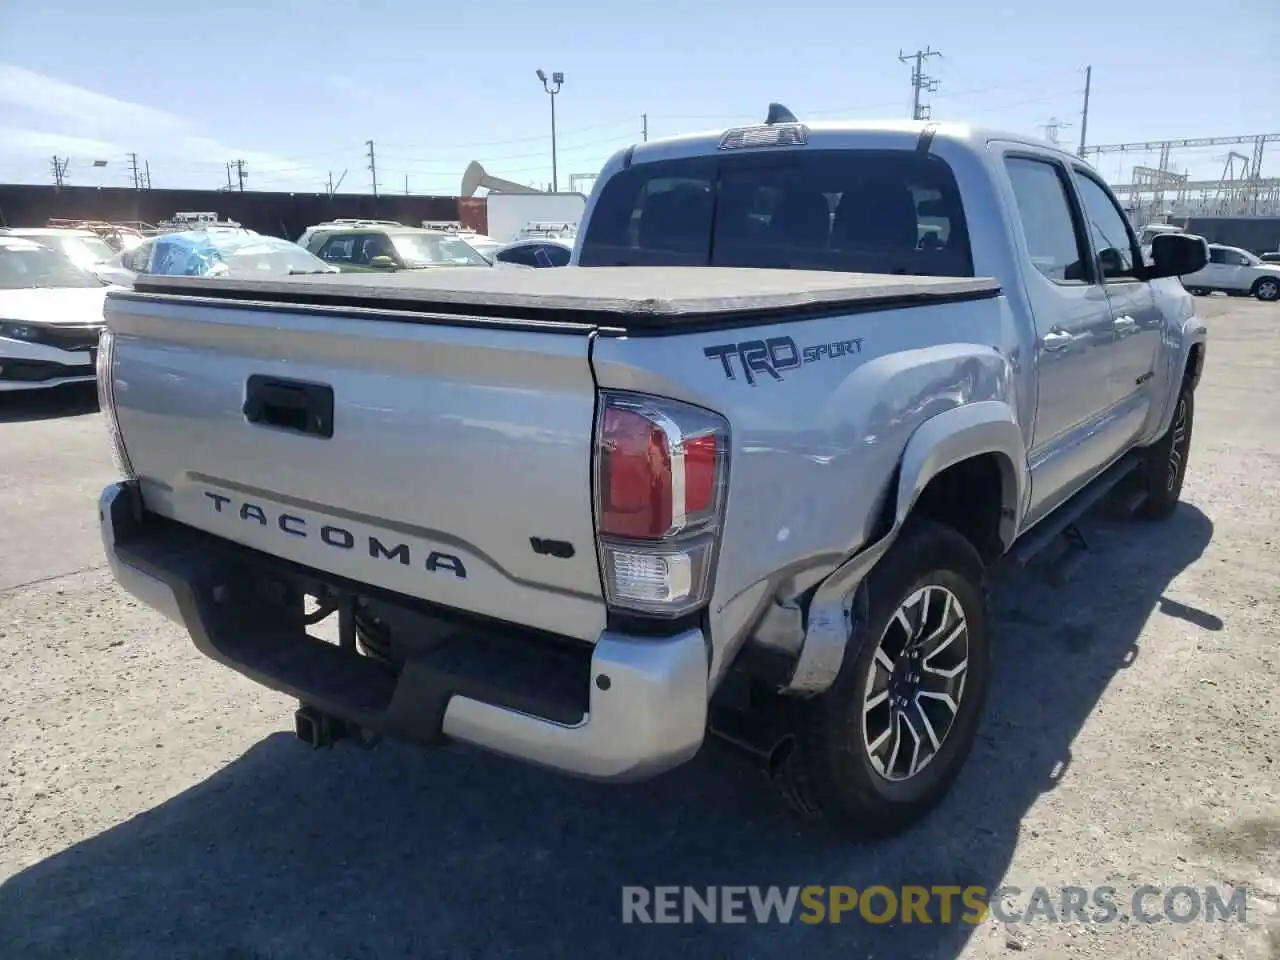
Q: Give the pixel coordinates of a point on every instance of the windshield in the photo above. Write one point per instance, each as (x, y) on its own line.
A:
(275, 258)
(208, 255)
(25, 266)
(86, 251)
(425, 249)
(862, 211)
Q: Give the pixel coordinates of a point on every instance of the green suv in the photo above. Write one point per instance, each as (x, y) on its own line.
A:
(363, 245)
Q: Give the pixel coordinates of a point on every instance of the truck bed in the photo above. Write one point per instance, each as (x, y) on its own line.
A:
(630, 298)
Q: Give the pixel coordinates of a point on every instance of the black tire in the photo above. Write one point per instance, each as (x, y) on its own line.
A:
(825, 771)
(1198, 291)
(1267, 289)
(1162, 475)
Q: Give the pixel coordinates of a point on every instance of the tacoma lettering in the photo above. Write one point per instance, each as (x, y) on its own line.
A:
(339, 538)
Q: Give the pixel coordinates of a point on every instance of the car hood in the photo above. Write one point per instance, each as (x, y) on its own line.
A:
(53, 305)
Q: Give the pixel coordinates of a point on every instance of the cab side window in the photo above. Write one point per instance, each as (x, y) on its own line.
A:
(1044, 212)
(337, 249)
(1113, 241)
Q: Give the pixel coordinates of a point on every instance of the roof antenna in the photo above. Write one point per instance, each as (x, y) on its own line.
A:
(779, 114)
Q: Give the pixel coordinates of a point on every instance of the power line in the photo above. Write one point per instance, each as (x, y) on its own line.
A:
(920, 82)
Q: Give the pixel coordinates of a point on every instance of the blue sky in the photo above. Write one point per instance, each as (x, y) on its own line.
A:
(296, 88)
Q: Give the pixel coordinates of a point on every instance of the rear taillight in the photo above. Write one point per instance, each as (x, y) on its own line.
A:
(661, 471)
(107, 401)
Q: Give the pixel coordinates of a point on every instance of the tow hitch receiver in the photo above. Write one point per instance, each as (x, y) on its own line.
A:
(320, 729)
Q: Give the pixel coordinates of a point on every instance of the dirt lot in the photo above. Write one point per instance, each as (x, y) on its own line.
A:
(154, 805)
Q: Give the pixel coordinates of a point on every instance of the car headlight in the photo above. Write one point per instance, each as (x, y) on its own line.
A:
(13, 330)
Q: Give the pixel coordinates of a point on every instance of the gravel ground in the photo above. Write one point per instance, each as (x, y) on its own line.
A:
(155, 805)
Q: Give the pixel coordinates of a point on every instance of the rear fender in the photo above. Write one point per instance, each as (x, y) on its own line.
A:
(986, 427)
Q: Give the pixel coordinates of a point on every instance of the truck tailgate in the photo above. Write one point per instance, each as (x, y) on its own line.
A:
(453, 449)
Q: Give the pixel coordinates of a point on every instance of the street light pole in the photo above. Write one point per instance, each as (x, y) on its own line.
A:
(552, 86)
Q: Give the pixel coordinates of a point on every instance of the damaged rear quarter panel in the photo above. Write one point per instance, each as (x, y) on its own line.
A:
(820, 411)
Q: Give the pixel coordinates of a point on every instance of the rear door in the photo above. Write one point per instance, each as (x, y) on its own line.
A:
(419, 457)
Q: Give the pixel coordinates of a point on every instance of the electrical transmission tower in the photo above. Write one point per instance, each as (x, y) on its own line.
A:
(1052, 127)
(60, 170)
(920, 81)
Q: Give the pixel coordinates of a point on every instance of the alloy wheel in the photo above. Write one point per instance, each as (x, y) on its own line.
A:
(1177, 449)
(916, 682)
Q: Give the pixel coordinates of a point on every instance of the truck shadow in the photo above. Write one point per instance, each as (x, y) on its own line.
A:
(72, 400)
(287, 853)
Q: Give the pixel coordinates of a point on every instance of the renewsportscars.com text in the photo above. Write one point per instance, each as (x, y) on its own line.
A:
(934, 904)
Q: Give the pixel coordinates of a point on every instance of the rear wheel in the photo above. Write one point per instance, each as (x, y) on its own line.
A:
(1267, 289)
(877, 750)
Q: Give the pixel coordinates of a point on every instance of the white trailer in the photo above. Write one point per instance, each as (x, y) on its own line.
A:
(510, 213)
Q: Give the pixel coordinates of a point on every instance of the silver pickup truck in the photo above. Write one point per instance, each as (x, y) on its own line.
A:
(742, 468)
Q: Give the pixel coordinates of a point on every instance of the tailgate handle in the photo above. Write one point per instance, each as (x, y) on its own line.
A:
(290, 405)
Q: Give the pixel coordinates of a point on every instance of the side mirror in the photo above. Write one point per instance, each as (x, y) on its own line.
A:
(1176, 255)
(382, 263)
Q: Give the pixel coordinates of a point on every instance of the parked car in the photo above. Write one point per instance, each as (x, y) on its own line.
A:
(84, 247)
(50, 316)
(484, 245)
(1236, 272)
(540, 252)
(363, 246)
(1270, 257)
(745, 468)
(217, 253)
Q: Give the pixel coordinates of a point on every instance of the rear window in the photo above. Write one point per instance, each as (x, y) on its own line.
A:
(861, 211)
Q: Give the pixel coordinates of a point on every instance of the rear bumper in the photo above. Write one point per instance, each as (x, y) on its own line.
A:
(627, 709)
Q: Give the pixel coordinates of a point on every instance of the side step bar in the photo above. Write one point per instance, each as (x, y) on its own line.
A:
(1062, 524)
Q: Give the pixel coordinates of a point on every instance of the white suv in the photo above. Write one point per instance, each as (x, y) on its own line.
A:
(1235, 271)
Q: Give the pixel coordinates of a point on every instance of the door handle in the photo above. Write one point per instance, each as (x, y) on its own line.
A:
(290, 405)
(1056, 340)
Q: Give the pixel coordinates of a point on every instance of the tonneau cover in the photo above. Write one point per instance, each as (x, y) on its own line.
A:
(636, 292)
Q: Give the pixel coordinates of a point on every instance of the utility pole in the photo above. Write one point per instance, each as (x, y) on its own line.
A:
(552, 87)
(406, 184)
(333, 187)
(1084, 113)
(60, 170)
(373, 168)
(146, 170)
(133, 165)
(229, 184)
(240, 174)
(920, 81)
(644, 127)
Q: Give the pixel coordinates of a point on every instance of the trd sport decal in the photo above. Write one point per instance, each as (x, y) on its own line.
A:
(775, 356)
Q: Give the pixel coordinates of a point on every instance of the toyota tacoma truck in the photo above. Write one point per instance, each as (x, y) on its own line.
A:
(742, 468)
